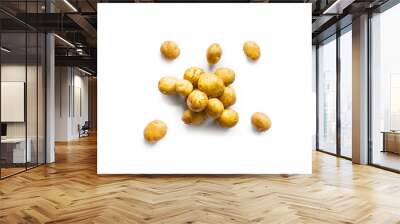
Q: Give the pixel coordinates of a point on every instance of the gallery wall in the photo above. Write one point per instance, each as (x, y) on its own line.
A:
(279, 84)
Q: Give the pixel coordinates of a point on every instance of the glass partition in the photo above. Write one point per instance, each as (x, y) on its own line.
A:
(327, 96)
(14, 153)
(22, 101)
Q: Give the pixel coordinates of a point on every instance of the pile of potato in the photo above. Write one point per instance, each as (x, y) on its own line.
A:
(206, 94)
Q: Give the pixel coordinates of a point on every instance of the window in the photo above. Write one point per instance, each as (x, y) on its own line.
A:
(385, 89)
(327, 96)
(346, 93)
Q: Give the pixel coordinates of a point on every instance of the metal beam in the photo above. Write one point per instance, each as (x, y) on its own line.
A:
(82, 61)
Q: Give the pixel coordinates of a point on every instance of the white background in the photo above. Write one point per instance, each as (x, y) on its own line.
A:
(278, 84)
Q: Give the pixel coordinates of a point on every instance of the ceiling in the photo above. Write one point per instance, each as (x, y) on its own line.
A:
(76, 21)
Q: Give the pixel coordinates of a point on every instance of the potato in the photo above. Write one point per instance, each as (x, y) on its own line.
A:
(228, 118)
(228, 97)
(197, 101)
(214, 108)
(214, 53)
(155, 131)
(226, 74)
(167, 85)
(252, 50)
(194, 118)
(192, 74)
(261, 121)
(170, 50)
(184, 87)
(211, 84)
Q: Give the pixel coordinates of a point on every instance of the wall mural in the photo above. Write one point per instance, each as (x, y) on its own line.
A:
(204, 89)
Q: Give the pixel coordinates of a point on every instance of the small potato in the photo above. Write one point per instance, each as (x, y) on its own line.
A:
(192, 74)
(252, 50)
(261, 121)
(197, 101)
(214, 108)
(184, 87)
(214, 53)
(194, 118)
(211, 84)
(228, 98)
(170, 50)
(226, 74)
(155, 131)
(228, 118)
(167, 85)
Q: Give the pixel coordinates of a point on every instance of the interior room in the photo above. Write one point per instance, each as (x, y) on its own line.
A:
(50, 131)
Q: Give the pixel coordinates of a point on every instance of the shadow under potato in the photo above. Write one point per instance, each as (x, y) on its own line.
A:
(251, 60)
(174, 100)
(209, 126)
(163, 58)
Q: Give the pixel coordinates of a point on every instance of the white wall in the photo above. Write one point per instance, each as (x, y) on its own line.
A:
(70, 83)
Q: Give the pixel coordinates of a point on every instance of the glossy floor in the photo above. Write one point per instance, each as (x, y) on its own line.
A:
(387, 159)
(70, 191)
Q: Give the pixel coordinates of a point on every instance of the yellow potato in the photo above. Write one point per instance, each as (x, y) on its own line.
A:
(197, 101)
(170, 50)
(228, 118)
(261, 121)
(184, 87)
(252, 50)
(214, 53)
(211, 84)
(155, 131)
(194, 118)
(192, 74)
(167, 85)
(214, 108)
(226, 74)
(228, 97)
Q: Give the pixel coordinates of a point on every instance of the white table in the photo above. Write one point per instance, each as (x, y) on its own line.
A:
(18, 145)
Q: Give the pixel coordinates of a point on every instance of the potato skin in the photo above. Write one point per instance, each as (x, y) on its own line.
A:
(261, 121)
(211, 84)
(228, 97)
(167, 85)
(170, 50)
(192, 74)
(197, 101)
(184, 87)
(228, 118)
(214, 53)
(226, 74)
(155, 131)
(214, 108)
(194, 118)
(252, 50)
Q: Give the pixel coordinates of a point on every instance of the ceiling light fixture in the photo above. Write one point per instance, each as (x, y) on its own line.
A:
(5, 50)
(65, 41)
(70, 5)
(84, 71)
(337, 7)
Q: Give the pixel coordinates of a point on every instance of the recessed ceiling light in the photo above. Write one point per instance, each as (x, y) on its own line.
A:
(84, 71)
(70, 5)
(65, 41)
(5, 50)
